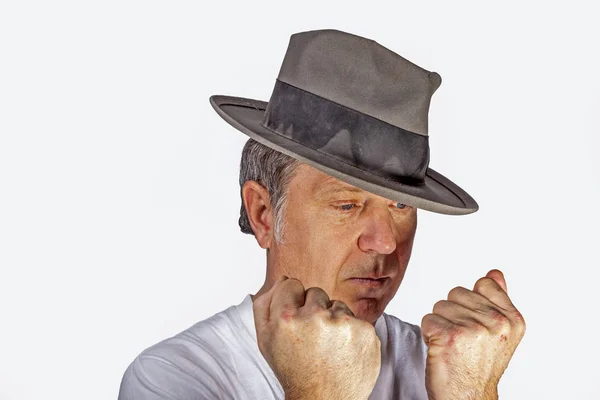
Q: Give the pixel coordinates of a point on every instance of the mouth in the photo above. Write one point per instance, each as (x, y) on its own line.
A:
(370, 282)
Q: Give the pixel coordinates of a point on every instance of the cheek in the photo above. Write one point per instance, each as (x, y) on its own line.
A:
(407, 223)
(405, 243)
(312, 248)
(404, 250)
(324, 231)
(406, 229)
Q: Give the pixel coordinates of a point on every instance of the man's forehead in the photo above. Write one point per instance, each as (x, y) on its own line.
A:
(326, 185)
(330, 185)
(322, 184)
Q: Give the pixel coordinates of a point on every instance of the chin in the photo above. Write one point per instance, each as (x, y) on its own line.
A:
(368, 309)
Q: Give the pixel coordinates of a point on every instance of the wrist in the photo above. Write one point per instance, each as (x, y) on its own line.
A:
(491, 393)
(322, 395)
(298, 394)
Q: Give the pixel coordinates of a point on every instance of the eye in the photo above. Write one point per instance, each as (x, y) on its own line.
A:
(347, 207)
(400, 205)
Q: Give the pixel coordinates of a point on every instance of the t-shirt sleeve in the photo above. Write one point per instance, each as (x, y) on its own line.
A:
(151, 377)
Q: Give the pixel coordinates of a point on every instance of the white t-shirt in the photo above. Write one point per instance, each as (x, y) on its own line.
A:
(218, 358)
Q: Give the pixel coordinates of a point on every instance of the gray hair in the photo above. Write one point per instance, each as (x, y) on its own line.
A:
(271, 169)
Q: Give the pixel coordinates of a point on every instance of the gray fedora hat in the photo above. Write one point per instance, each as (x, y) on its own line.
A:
(355, 110)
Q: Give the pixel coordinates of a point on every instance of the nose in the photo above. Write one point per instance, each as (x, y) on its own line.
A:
(378, 234)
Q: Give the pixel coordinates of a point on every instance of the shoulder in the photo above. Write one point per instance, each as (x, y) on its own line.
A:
(195, 363)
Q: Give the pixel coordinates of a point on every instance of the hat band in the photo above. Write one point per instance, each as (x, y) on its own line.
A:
(352, 137)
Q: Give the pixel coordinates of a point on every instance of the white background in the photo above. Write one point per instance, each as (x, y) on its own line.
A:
(118, 182)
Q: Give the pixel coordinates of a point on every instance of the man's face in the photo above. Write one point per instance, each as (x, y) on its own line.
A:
(335, 232)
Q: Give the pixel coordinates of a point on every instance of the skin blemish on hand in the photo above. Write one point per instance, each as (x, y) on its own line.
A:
(503, 338)
(498, 316)
(287, 315)
(452, 337)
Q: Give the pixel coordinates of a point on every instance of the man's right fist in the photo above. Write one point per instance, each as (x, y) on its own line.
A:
(316, 347)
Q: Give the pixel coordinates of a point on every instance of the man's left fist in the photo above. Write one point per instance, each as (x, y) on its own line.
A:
(471, 338)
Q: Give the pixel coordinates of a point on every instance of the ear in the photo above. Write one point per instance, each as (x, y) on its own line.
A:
(260, 214)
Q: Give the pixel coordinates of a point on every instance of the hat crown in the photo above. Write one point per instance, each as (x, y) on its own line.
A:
(362, 75)
(355, 110)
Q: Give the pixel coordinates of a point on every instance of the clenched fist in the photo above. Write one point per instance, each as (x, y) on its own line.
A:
(471, 337)
(316, 347)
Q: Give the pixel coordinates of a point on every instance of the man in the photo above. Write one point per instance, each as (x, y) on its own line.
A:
(331, 180)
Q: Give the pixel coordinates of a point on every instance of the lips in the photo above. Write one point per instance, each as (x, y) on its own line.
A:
(373, 277)
(370, 282)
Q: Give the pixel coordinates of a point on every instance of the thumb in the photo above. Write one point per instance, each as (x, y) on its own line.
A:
(262, 304)
(498, 277)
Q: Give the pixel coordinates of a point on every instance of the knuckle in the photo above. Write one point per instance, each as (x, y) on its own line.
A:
(501, 321)
(430, 325)
(339, 303)
(293, 282)
(518, 317)
(498, 316)
(479, 334)
(321, 318)
(426, 320)
(439, 306)
(344, 328)
(457, 293)
(340, 306)
(484, 284)
(339, 323)
(317, 290)
(479, 330)
(469, 332)
(519, 322)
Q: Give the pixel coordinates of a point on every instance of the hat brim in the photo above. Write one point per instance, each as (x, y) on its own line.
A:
(437, 194)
